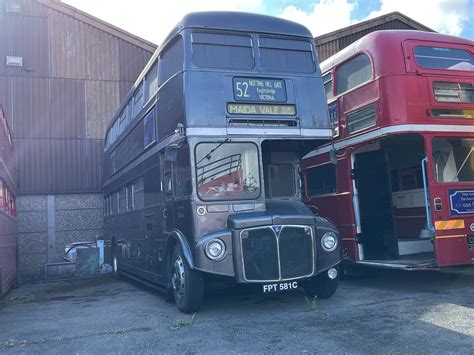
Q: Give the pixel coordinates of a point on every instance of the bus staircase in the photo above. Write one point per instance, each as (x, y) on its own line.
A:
(215, 175)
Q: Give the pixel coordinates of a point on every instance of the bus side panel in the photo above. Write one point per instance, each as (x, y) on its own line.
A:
(453, 251)
(452, 232)
(338, 209)
(338, 206)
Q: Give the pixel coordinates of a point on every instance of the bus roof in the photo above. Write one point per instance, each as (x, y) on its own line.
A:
(221, 20)
(383, 43)
(240, 21)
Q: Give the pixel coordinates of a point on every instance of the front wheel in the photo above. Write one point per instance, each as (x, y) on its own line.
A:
(188, 284)
(323, 285)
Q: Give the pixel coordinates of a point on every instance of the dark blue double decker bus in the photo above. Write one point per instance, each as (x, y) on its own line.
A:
(202, 161)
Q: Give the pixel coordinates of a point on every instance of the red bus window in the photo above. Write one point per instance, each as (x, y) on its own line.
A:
(321, 180)
(328, 85)
(446, 91)
(453, 159)
(361, 119)
(352, 73)
(443, 58)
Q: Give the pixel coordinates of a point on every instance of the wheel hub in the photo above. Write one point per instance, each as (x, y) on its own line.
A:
(178, 277)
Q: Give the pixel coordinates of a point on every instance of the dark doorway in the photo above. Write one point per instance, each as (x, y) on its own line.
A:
(375, 201)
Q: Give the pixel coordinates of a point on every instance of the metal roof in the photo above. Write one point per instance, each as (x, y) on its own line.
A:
(240, 21)
(368, 24)
(100, 24)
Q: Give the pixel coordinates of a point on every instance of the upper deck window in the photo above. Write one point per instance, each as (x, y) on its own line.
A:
(443, 58)
(123, 120)
(227, 171)
(288, 56)
(352, 73)
(151, 81)
(328, 85)
(222, 51)
(171, 61)
(138, 99)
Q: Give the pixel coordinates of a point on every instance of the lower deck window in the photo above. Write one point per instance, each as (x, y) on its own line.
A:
(282, 181)
(138, 201)
(122, 202)
(453, 159)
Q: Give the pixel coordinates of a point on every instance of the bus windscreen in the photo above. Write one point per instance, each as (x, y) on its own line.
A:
(227, 171)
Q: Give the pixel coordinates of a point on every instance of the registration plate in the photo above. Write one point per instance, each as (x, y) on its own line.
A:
(280, 287)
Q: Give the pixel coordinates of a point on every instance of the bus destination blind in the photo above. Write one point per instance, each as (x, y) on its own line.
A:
(259, 90)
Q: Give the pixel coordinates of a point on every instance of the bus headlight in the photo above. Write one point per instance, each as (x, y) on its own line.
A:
(215, 249)
(329, 241)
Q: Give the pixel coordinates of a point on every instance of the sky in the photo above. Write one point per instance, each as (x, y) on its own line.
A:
(153, 19)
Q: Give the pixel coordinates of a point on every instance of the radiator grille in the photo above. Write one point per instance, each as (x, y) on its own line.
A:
(260, 254)
(278, 253)
(296, 254)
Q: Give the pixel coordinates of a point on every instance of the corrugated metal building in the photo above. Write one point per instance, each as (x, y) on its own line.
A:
(63, 74)
(331, 43)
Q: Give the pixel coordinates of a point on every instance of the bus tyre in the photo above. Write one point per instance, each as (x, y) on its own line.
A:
(322, 286)
(188, 284)
(115, 262)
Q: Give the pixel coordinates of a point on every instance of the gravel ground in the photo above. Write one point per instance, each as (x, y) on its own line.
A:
(375, 312)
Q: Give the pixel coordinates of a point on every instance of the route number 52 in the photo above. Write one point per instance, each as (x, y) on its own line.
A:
(242, 89)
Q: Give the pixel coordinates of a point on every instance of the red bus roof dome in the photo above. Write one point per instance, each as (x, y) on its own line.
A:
(383, 45)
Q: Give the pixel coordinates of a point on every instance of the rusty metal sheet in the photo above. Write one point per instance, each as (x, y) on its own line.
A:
(49, 166)
(72, 81)
(327, 49)
(132, 61)
(67, 101)
(29, 106)
(26, 7)
(81, 51)
(25, 37)
(102, 100)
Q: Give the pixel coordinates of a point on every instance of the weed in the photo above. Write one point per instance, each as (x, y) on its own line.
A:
(178, 324)
(12, 343)
(313, 304)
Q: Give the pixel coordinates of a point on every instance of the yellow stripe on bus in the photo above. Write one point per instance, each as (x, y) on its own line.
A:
(348, 239)
(451, 236)
(452, 224)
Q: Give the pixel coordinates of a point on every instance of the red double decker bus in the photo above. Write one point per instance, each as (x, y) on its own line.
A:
(8, 226)
(398, 178)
